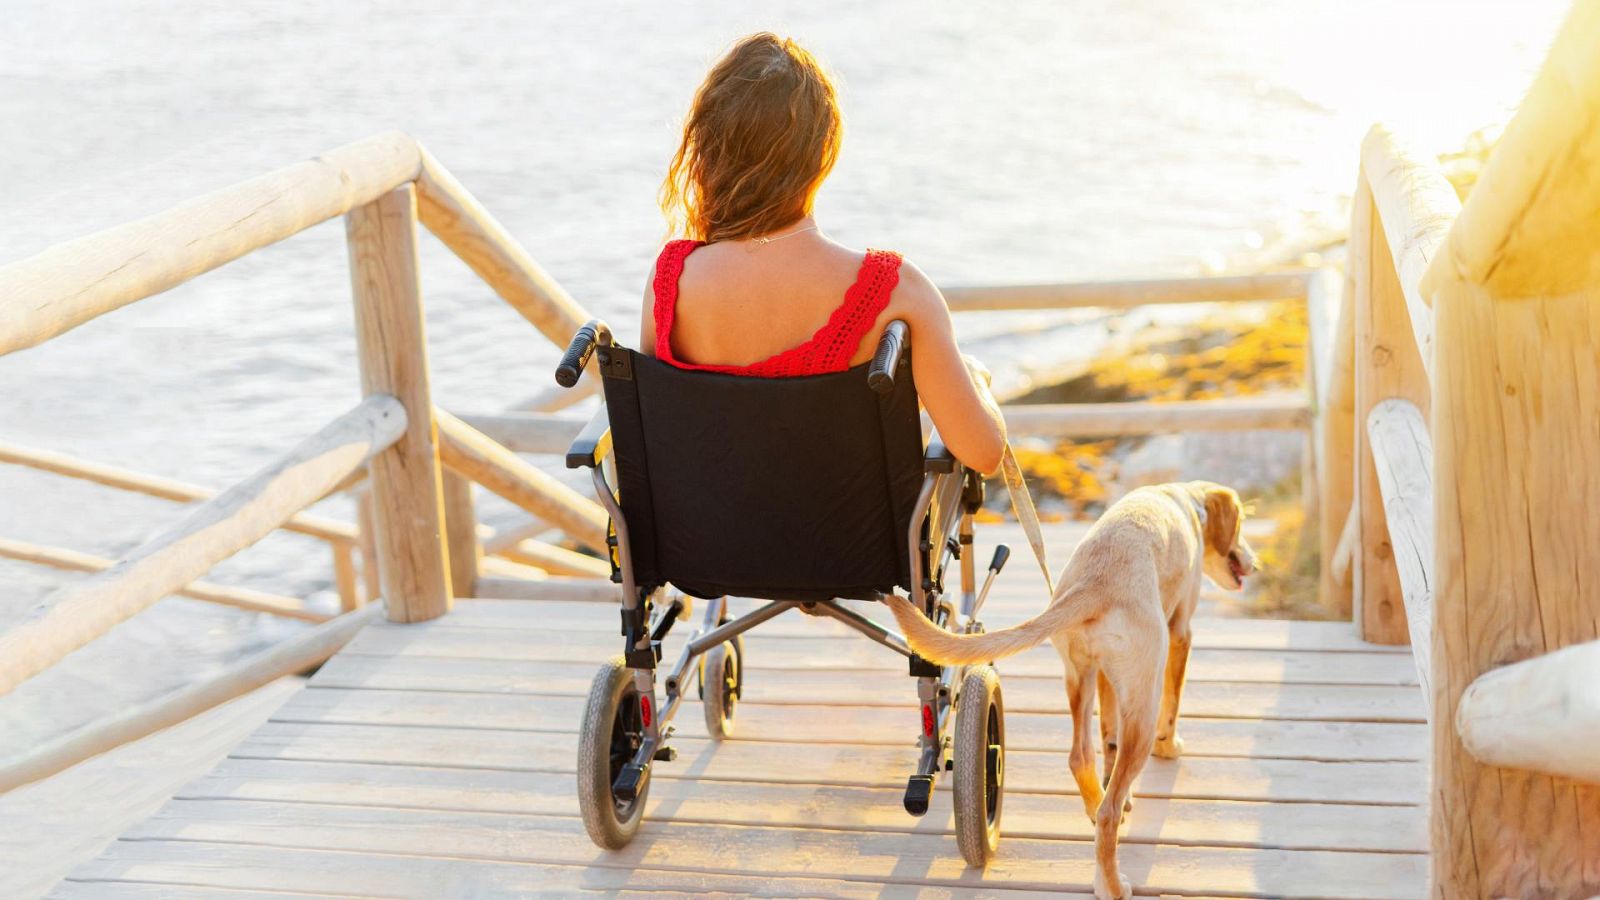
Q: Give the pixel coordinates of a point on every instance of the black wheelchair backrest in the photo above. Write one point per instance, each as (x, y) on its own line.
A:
(782, 488)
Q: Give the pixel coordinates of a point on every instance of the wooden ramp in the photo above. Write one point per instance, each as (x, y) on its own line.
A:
(437, 760)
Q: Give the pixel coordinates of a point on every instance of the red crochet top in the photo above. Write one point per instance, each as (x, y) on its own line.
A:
(828, 350)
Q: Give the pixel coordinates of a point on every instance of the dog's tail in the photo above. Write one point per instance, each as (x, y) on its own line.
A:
(937, 645)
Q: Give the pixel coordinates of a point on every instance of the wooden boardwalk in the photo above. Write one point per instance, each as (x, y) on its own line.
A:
(436, 760)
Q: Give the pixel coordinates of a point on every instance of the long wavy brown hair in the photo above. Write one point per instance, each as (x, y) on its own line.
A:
(762, 135)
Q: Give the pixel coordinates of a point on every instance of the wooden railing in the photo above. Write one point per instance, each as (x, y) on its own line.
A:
(1465, 408)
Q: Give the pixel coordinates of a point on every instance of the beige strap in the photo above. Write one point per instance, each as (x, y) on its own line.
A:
(1022, 505)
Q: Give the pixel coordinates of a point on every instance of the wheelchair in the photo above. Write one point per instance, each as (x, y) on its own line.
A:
(799, 491)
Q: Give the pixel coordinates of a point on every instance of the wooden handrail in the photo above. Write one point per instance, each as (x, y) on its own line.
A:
(528, 432)
(1541, 714)
(1416, 206)
(287, 657)
(457, 219)
(237, 597)
(71, 283)
(1145, 417)
(467, 451)
(214, 530)
(1127, 294)
(556, 560)
(1402, 453)
(331, 530)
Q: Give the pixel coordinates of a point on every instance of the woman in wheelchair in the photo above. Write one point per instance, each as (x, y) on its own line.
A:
(766, 442)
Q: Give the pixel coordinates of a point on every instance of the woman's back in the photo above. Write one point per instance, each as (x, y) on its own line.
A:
(768, 309)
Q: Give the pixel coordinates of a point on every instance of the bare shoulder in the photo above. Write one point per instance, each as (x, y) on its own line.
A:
(916, 297)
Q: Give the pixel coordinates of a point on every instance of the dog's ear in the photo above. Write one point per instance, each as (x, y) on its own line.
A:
(1223, 511)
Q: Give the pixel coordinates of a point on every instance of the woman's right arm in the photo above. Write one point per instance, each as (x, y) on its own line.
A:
(956, 396)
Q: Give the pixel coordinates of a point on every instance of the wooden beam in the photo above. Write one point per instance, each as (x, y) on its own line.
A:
(1127, 294)
(1527, 230)
(1387, 364)
(407, 491)
(331, 530)
(293, 655)
(1336, 414)
(556, 560)
(587, 590)
(1416, 206)
(1402, 454)
(74, 282)
(237, 597)
(530, 432)
(78, 613)
(461, 534)
(467, 451)
(457, 219)
(511, 535)
(1142, 417)
(1541, 714)
(1344, 550)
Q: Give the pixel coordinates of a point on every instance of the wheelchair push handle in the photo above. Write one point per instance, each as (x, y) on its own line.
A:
(880, 377)
(1002, 553)
(579, 351)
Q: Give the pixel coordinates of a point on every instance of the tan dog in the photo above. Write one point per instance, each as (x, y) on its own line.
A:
(1120, 615)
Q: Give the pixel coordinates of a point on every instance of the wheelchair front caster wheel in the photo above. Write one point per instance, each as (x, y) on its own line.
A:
(611, 734)
(980, 765)
(721, 683)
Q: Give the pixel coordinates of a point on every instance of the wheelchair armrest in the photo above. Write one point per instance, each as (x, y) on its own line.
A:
(592, 443)
(938, 458)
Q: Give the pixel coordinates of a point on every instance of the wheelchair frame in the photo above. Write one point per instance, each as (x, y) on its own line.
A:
(941, 528)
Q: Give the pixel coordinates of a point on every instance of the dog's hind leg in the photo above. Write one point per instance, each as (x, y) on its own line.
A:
(1168, 744)
(1138, 696)
(1108, 733)
(1080, 699)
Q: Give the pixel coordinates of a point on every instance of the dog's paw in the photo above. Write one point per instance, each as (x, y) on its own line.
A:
(1168, 748)
(1103, 892)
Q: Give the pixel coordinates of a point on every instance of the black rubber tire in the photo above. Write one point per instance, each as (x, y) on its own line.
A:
(721, 683)
(613, 701)
(980, 740)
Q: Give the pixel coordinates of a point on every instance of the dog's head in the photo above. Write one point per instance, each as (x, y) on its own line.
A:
(1228, 556)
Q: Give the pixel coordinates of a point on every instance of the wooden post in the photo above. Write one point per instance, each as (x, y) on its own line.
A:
(371, 587)
(461, 534)
(1516, 441)
(407, 493)
(1336, 412)
(1387, 364)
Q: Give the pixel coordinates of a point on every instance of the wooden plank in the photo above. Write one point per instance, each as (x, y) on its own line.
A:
(1380, 783)
(1126, 294)
(766, 652)
(1264, 739)
(78, 613)
(754, 851)
(1358, 703)
(276, 871)
(123, 889)
(461, 535)
(1154, 820)
(1139, 417)
(76, 281)
(406, 488)
(1402, 454)
(1257, 634)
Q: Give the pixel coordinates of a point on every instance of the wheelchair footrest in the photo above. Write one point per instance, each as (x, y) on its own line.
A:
(666, 754)
(919, 792)
(626, 787)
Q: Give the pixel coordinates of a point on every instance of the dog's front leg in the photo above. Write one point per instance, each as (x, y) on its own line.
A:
(1168, 744)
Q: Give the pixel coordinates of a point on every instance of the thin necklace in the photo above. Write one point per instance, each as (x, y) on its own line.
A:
(764, 239)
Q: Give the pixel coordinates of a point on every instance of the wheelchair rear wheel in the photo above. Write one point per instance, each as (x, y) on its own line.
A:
(612, 733)
(980, 749)
(721, 683)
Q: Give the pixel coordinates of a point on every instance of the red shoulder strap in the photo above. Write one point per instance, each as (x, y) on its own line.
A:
(669, 267)
(863, 302)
